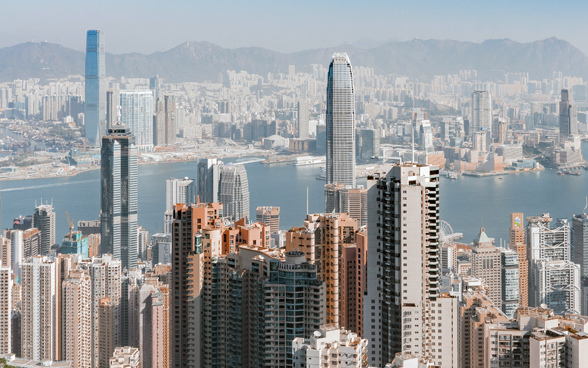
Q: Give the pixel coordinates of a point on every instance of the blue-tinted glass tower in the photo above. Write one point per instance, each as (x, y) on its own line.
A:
(95, 106)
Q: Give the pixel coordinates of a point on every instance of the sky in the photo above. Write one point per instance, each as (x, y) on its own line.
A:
(148, 26)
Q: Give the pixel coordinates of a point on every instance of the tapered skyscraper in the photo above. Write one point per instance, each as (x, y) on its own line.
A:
(95, 106)
(340, 122)
(233, 192)
(119, 196)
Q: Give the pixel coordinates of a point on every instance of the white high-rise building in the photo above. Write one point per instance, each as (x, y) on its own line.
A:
(17, 251)
(481, 112)
(340, 122)
(403, 262)
(208, 179)
(38, 321)
(5, 309)
(137, 114)
(177, 191)
(303, 119)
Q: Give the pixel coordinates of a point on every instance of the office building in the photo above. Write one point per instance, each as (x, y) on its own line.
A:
(39, 317)
(340, 122)
(517, 242)
(557, 285)
(568, 116)
(403, 265)
(89, 227)
(270, 216)
(322, 238)
(22, 222)
(580, 243)
(137, 114)
(118, 217)
(370, 144)
(481, 112)
(6, 285)
(303, 118)
(95, 104)
(187, 280)
(126, 357)
(341, 198)
(165, 122)
(77, 326)
(486, 261)
(208, 179)
(112, 108)
(316, 350)
(44, 220)
(233, 192)
(259, 279)
(75, 243)
(510, 282)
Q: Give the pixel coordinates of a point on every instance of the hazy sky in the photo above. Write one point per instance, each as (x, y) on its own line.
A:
(148, 26)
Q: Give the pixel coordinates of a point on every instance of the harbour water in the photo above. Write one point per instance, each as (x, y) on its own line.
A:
(466, 203)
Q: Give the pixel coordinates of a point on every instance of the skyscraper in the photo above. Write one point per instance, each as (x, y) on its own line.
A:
(165, 121)
(481, 112)
(270, 216)
(568, 116)
(486, 261)
(510, 282)
(341, 198)
(118, 217)
(179, 191)
(233, 192)
(340, 122)
(137, 114)
(208, 179)
(517, 242)
(112, 103)
(44, 220)
(95, 105)
(77, 327)
(5, 309)
(403, 261)
(303, 119)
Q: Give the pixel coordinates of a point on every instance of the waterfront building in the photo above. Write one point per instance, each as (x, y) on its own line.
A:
(510, 282)
(77, 326)
(403, 268)
(349, 348)
(95, 84)
(165, 121)
(39, 317)
(303, 118)
(486, 261)
(118, 217)
(340, 122)
(44, 220)
(233, 192)
(270, 216)
(208, 179)
(126, 357)
(6, 305)
(517, 242)
(340, 198)
(568, 116)
(137, 115)
(322, 238)
(481, 112)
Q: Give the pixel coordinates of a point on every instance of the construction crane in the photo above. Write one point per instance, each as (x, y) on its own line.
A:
(71, 225)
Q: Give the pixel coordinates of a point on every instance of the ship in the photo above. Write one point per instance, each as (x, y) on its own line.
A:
(451, 175)
(309, 160)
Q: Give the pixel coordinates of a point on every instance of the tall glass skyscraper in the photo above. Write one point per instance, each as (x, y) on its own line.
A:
(95, 106)
(340, 122)
(118, 214)
(137, 114)
(233, 191)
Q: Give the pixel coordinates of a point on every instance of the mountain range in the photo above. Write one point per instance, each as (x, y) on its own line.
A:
(202, 61)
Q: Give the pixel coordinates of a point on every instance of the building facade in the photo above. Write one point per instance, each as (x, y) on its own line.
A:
(95, 104)
(44, 221)
(208, 179)
(137, 115)
(233, 192)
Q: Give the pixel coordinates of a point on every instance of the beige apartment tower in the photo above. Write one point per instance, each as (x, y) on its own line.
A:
(486, 261)
(76, 319)
(5, 309)
(517, 243)
(269, 216)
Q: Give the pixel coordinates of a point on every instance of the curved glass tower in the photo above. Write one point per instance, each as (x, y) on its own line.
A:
(340, 122)
(95, 105)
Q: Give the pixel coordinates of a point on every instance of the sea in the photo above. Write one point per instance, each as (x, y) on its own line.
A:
(466, 204)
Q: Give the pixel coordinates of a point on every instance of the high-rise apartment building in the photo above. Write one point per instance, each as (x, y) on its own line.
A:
(44, 220)
(233, 192)
(510, 282)
(322, 238)
(303, 119)
(126, 357)
(481, 112)
(177, 191)
(5, 251)
(208, 179)
(77, 319)
(349, 348)
(580, 242)
(165, 121)
(5, 309)
(270, 216)
(517, 242)
(353, 282)
(39, 317)
(486, 261)
(137, 114)
(108, 316)
(95, 104)
(403, 266)
(340, 122)
(568, 116)
(340, 198)
(118, 217)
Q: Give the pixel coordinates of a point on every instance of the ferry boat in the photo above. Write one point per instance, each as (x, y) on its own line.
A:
(451, 175)
(309, 160)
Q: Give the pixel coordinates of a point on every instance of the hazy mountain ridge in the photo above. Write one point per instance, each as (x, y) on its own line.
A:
(200, 61)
